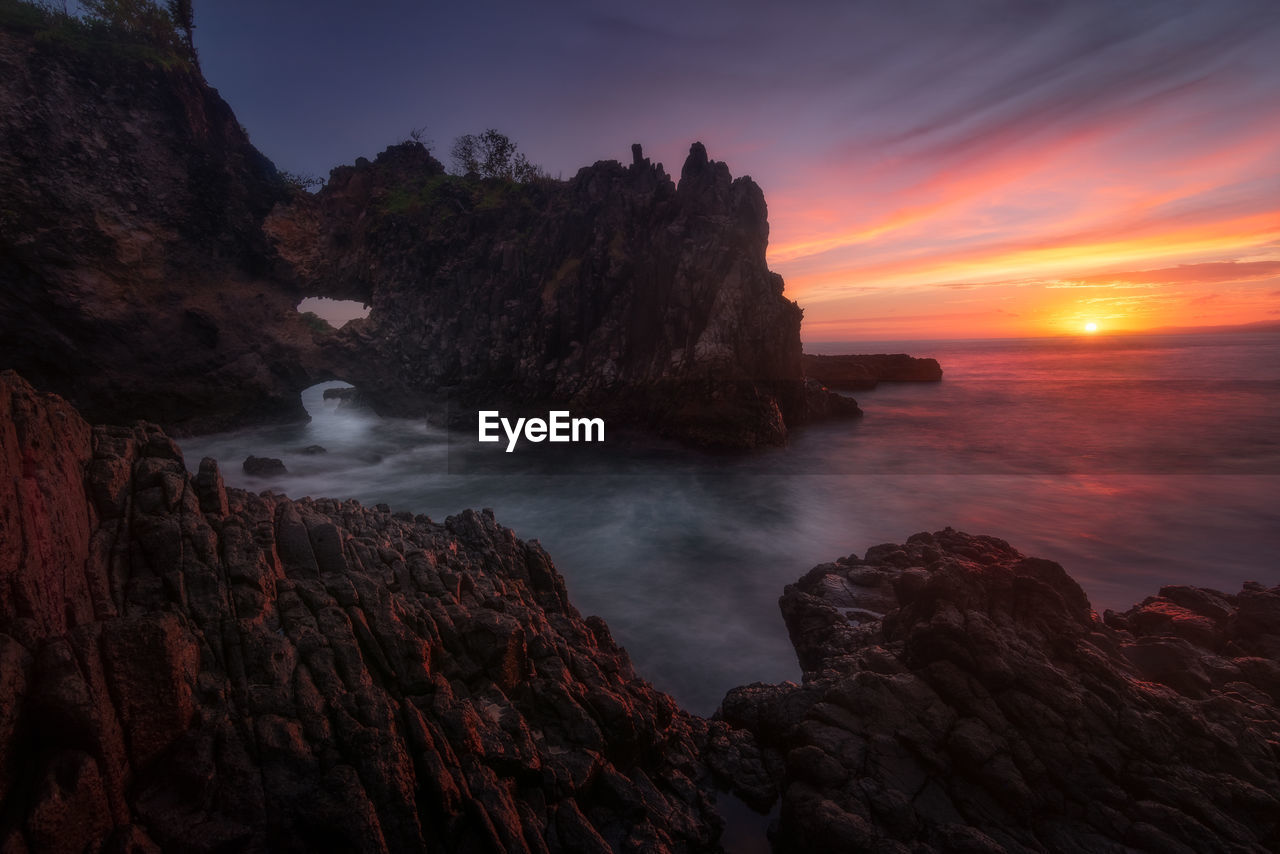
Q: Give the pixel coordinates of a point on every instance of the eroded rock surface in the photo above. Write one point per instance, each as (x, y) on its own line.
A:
(959, 696)
(135, 278)
(189, 667)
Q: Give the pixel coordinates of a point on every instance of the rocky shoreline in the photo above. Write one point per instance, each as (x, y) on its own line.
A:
(959, 696)
(196, 668)
(193, 667)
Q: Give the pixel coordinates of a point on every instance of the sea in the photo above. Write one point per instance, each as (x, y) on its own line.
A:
(1133, 461)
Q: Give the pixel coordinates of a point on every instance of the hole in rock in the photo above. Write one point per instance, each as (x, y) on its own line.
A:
(329, 398)
(335, 312)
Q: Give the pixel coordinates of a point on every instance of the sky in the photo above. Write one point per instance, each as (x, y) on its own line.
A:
(942, 169)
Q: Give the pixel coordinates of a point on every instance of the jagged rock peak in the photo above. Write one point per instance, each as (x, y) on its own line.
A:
(696, 163)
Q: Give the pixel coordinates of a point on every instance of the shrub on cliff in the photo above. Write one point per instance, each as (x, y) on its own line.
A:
(137, 29)
(493, 155)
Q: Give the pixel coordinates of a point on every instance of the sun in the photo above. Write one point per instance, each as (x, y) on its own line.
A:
(1091, 327)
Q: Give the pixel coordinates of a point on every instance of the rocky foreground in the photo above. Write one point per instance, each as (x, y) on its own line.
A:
(188, 667)
(959, 696)
(191, 668)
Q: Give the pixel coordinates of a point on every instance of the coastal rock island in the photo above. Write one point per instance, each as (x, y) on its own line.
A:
(868, 371)
(617, 291)
(190, 667)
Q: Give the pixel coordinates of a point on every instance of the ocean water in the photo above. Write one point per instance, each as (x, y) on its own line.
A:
(1134, 462)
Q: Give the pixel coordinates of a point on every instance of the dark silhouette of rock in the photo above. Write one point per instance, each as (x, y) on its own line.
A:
(145, 277)
(866, 371)
(315, 450)
(822, 402)
(263, 466)
(189, 667)
(137, 278)
(616, 291)
(959, 696)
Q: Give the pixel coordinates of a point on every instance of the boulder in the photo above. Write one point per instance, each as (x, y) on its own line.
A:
(959, 695)
(264, 466)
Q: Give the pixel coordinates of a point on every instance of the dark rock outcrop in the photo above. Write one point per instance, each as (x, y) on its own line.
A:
(959, 696)
(263, 466)
(617, 292)
(189, 667)
(140, 281)
(866, 371)
(135, 278)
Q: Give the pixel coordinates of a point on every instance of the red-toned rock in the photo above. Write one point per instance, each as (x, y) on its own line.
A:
(188, 667)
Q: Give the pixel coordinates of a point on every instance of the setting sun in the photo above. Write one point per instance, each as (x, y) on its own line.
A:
(1091, 327)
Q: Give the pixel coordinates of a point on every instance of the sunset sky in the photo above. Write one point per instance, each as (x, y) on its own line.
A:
(932, 169)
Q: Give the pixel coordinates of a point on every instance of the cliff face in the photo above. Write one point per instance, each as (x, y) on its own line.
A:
(198, 668)
(615, 290)
(959, 696)
(134, 274)
(139, 280)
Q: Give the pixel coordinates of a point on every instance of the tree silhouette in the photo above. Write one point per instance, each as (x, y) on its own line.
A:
(492, 154)
(184, 20)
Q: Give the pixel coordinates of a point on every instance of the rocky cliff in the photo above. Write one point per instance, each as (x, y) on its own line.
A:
(617, 291)
(135, 277)
(959, 696)
(187, 667)
(145, 275)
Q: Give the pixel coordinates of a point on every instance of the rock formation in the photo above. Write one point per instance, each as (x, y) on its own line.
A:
(135, 278)
(959, 696)
(187, 667)
(190, 667)
(867, 371)
(616, 291)
(140, 280)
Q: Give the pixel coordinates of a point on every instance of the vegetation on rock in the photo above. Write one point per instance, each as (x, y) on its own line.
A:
(136, 29)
